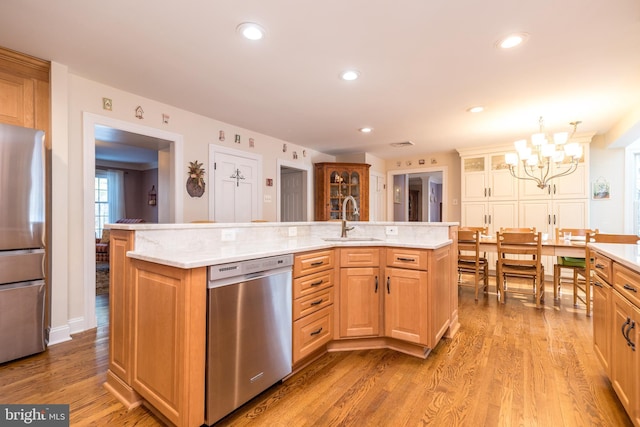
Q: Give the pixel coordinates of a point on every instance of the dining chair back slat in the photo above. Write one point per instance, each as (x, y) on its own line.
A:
(519, 256)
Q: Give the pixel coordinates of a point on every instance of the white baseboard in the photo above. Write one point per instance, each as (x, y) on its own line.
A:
(59, 334)
(76, 325)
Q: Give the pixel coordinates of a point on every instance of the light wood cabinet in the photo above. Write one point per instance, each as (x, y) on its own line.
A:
(360, 293)
(313, 296)
(157, 334)
(417, 306)
(602, 296)
(616, 325)
(168, 351)
(625, 366)
(406, 305)
(334, 182)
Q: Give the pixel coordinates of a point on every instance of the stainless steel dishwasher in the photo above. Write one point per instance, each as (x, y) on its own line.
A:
(248, 331)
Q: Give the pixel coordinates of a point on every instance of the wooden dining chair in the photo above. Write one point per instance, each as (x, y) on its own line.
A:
(517, 229)
(583, 276)
(568, 263)
(520, 257)
(470, 261)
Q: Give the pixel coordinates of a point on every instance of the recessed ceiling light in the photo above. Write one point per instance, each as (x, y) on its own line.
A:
(512, 40)
(365, 130)
(476, 109)
(251, 30)
(350, 75)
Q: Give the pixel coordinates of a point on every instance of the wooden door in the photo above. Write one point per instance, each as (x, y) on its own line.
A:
(235, 188)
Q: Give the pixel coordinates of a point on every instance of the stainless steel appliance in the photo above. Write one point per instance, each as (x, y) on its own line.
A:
(248, 331)
(23, 327)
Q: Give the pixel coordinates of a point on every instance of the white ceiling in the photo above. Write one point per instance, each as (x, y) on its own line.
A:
(422, 64)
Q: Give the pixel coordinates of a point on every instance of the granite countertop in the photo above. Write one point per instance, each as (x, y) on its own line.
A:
(244, 251)
(627, 255)
(200, 245)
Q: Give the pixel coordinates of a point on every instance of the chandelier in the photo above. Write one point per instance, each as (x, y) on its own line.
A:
(546, 150)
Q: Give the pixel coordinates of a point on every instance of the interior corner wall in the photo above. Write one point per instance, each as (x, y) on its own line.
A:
(607, 163)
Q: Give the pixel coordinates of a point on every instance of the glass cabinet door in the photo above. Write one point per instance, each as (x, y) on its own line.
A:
(343, 184)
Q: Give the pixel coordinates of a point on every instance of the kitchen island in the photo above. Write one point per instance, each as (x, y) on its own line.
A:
(616, 319)
(158, 294)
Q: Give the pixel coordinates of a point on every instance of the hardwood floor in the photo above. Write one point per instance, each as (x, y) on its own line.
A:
(508, 365)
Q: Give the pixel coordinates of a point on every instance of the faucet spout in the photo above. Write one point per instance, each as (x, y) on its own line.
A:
(344, 214)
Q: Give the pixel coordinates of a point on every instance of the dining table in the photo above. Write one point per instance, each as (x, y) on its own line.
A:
(576, 247)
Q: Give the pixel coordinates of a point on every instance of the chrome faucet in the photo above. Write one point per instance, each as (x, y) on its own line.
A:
(344, 214)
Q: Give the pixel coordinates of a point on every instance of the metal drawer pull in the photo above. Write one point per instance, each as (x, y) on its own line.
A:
(317, 263)
(406, 259)
(388, 288)
(600, 266)
(316, 332)
(598, 284)
(319, 282)
(629, 342)
(624, 334)
(630, 288)
(376, 289)
(317, 302)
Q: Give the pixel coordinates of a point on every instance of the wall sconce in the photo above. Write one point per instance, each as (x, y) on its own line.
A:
(153, 196)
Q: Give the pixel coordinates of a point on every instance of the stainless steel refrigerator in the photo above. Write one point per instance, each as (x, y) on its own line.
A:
(23, 327)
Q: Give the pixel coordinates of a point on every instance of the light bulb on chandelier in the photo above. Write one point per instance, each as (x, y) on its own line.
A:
(537, 160)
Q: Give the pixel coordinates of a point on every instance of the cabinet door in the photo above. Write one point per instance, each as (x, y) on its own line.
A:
(624, 360)
(538, 214)
(502, 186)
(474, 214)
(474, 178)
(570, 213)
(601, 321)
(502, 214)
(359, 302)
(572, 186)
(406, 305)
(18, 106)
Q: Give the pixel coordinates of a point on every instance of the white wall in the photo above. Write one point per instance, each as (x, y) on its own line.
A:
(72, 96)
(607, 163)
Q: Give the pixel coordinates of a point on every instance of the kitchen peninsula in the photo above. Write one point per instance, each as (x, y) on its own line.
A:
(388, 285)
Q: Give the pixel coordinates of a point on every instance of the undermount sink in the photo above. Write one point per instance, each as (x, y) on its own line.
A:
(351, 239)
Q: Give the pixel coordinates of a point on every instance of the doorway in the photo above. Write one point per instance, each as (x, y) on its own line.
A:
(169, 159)
(418, 195)
(293, 192)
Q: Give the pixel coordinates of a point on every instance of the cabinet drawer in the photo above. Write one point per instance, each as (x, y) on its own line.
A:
(359, 257)
(312, 303)
(312, 262)
(407, 258)
(602, 267)
(312, 332)
(306, 285)
(627, 282)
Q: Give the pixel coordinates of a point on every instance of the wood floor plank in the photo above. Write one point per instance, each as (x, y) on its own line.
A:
(510, 364)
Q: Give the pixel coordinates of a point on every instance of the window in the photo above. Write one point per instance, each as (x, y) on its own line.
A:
(102, 202)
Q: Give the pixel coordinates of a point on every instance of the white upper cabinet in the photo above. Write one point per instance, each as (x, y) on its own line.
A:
(487, 178)
(572, 186)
